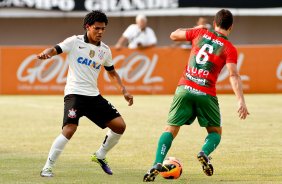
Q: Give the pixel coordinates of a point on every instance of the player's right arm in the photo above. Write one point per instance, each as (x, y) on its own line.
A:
(178, 35)
(181, 33)
(47, 53)
(64, 46)
(236, 84)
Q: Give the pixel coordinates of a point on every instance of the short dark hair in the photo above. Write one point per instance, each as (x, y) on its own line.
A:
(224, 19)
(95, 16)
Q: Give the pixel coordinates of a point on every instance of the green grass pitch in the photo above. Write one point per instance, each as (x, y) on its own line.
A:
(250, 150)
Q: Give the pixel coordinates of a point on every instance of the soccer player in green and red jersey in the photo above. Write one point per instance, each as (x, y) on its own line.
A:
(195, 95)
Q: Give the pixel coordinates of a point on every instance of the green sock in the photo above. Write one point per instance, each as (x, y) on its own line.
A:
(212, 140)
(163, 147)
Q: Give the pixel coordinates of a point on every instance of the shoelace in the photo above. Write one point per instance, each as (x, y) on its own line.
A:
(48, 170)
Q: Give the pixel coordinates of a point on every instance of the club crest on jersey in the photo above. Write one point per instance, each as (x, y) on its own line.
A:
(72, 113)
(101, 54)
(92, 53)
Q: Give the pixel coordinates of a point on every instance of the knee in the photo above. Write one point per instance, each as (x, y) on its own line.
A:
(69, 130)
(118, 125)
(172, 129)
(217, 130)
(121, 128)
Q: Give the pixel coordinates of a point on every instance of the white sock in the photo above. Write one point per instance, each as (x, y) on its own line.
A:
(55, 151)
(110, 141)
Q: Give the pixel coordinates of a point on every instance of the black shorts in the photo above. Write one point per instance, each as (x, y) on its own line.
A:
(95, 108)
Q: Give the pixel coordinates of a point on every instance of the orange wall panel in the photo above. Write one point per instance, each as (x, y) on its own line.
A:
(151, 71)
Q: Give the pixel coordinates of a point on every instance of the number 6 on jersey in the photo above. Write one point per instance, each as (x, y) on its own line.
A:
(202, 57)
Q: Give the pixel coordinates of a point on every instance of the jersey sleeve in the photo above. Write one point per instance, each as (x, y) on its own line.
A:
(231, 55)
(109, 59)
(67, 44)
(194, 32)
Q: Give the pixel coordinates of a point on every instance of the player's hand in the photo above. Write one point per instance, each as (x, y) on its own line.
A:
(243, 111)
(128, 97)
(42, 55)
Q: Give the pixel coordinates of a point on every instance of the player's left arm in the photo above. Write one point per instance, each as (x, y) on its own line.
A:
(116, 79)
(236, 84)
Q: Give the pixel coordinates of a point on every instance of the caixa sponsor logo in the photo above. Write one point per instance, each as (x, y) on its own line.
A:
(133, 68)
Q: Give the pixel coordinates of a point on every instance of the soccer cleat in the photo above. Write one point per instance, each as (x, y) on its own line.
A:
(103, 163)
(47, 172)
(153, 172)
(206, 164)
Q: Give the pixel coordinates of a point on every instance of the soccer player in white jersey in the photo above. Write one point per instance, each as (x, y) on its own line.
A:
(85, 55)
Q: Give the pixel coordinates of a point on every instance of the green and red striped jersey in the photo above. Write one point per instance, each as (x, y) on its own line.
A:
(210, 51)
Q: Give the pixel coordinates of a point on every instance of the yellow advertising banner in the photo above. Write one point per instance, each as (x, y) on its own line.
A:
(151, 71)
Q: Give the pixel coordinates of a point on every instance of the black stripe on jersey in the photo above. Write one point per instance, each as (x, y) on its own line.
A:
(58, 49)
(109, 68)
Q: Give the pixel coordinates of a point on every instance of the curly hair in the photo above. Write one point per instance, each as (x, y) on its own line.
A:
(94, 16)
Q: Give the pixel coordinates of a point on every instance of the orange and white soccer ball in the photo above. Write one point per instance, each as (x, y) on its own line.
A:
(174, 166)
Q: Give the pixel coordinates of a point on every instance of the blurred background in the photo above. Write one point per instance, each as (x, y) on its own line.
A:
(27, 27)
(39, 22)
(31, 117)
